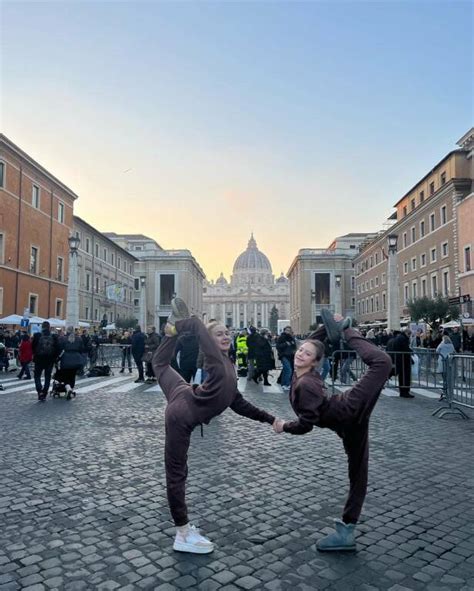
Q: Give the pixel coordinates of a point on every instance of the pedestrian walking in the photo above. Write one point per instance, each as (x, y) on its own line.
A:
(286, 347)
(264, 360)
(399, 347)
(152, 343)
(346, 414)
(138, 350)
(45, 347)
(71, 359)
(190, 406)
(25, 355)
(125, 347)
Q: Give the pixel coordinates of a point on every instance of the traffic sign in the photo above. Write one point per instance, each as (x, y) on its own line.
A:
(462, 299)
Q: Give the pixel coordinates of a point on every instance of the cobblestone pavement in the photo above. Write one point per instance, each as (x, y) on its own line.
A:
(82, 501)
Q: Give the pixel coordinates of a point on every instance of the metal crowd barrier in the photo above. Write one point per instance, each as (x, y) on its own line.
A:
(460, 391)
(452, 377)
(115, 356)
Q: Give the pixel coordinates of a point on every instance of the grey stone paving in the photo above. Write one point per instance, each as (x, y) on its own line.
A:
(82, 503)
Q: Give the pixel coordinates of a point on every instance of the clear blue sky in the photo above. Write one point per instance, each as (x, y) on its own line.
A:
(299, 121)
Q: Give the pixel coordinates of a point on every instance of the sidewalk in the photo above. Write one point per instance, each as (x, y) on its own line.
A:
(83, 507)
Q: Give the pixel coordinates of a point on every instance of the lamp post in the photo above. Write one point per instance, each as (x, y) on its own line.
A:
(338, 296)
(393, 312)
(143, 304)
(72, 303)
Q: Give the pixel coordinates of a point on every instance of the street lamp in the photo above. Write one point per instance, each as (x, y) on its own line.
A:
(338, 298)
(72, 302)
(143, 303)
(393, 312)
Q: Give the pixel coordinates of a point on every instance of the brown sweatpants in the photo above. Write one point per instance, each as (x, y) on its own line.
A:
(181, 414)
(359, 403)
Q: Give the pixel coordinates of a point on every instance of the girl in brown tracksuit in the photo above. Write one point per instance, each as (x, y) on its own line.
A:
(189, 406)
(347, 414)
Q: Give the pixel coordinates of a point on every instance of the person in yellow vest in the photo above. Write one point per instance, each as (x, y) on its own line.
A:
(242, 352)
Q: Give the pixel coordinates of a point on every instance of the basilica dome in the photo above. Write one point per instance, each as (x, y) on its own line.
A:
(252, 259)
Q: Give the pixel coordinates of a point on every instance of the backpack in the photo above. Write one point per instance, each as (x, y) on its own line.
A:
(46, 346)
(99, 371)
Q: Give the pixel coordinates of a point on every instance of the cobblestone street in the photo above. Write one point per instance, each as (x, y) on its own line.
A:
(83, 504)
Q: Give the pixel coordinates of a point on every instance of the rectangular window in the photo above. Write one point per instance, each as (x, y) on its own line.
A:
(96, 314)
(371, 284)
(88, 282)
(383, 278)
(432, 223)
(444, 218)
(59, 308)
(60, 269)
(422, 196)
(105, 254)
(136, 302)
(353, 282)
(413, 264)
(97, 285)
(422, 228)
(112, 260)
(377, 303)
(434, 286)
(34, 260)
(413, 204)
(404, 239)
(433, 255)
(322, 289)
(446, 283)
(97, 251)
(467, 258)
(353, 302)
(423, 287)
(87, 313)
(406, 293)
(423, 260)
(405, 268)
(384, 301)
(2, 174)
(2, 249)
(167, 289)
(372, 304)
(35, 196)
(376, 281)
(119, 262)
(376, 258)
(33, 303)
(443, 178)
(432, 188)
(61, 212)
(413, 235)
(405, 211)
(414, 291)
(371, 261)
(444, 250)
(88, 245)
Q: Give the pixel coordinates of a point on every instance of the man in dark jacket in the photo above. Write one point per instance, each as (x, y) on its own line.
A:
(138, 350)
(186, 352)
(45, 347)
(286, 347)
(151, 345)
(399, 349)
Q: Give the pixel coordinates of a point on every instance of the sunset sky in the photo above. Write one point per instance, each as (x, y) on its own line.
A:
(198, 122)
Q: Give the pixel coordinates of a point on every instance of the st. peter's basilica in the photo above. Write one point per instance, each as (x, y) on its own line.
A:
(247, 300)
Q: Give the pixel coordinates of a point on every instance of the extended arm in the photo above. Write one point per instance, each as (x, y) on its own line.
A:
(245, 409)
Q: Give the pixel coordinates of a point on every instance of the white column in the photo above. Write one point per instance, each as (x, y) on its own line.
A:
(72, 318)
(255, 314)
(393, 293)
(245, 314)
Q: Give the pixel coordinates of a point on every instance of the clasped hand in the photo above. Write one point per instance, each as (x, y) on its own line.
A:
(278, 425)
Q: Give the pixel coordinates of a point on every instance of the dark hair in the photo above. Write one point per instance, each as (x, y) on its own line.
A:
(318, 346)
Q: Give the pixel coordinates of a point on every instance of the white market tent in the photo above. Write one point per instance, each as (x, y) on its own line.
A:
(58, 323)
(456, 324)
(12, 319)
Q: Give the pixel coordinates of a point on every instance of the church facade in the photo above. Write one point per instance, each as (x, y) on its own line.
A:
(248, 298)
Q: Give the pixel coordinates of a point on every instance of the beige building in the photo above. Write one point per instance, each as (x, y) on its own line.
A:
(106, 276)
(159, 276)
(465, 217)
(323, 278)
(247, 300)
(426, 224)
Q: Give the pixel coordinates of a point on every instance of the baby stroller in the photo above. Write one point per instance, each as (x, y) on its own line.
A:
(59, 386)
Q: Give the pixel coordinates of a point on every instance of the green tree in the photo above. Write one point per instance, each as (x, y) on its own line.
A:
(432, 311)
(126, 323)
(273, 321)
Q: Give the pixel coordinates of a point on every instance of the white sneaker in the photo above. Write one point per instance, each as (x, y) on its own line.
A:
(193, 542)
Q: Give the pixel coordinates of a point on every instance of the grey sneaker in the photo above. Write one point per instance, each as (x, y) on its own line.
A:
(334, 329)
(342, 540)
(179, 311)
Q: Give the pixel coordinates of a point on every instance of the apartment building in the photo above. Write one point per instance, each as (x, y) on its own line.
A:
(36, 212)
(323, 278)
(106, 276)
(426, 224)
